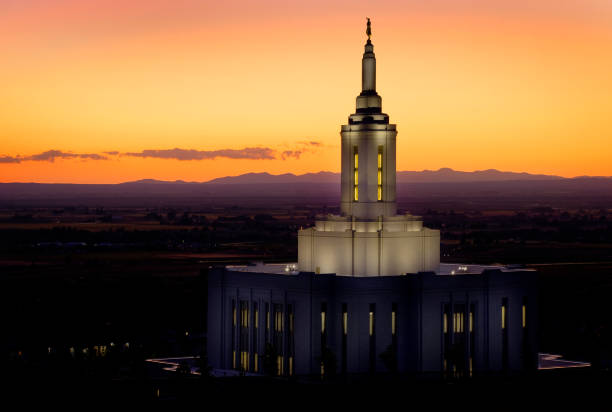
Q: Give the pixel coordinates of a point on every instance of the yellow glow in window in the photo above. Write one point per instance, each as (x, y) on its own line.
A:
(356, 176)
(322, 322)
(471, 322)
(379, 177)
(445, 323)
(371, 323)
(524, 316)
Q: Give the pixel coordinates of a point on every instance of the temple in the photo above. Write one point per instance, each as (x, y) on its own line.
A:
(368, 293)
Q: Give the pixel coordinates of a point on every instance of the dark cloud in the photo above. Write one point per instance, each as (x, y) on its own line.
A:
(50, 156)
(258, 153)
(112, 153)
(291, 153)
(311, 143)
(9, 159)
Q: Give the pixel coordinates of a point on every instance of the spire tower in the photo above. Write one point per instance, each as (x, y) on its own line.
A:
(369, 238)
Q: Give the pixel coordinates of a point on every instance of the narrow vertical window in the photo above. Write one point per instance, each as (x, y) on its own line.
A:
(277, 340)
(344, 336)
(267, 317)
(504, 327)
(471, 320)
(380, 170)
(393, 318)
(255, 337)
(323, 337)
(233, 334)
(445, 322)
(472, 329)
(446, 340)
(372, 324)
(291, 343)
(356, 174)
(526, 352)
(323, 316)
(394, 334)
(244, 335)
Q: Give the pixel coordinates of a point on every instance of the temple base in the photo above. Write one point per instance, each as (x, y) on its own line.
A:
(387, 246)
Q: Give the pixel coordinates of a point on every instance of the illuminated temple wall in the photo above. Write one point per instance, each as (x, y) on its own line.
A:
(379, 253)
(423, 342)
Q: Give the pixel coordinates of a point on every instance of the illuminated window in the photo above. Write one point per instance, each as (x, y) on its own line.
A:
(371, 323)
(280, 367)
(233, 313)
(524, 315)
(445, 322)
(255, 345)
(278, 321)
(458, 322)
(256, 316)
(380, 166)
(471, 321)
(393, 320)
(345, 322)
(233, 334)
(244, 335)
(356, 173)
(323, 314)
(291, 366)
(504, 324)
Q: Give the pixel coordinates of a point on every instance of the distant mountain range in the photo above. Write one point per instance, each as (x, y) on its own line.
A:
(443, 184)
(425, 176)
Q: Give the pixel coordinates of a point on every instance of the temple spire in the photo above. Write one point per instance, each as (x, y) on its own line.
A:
(368, 64)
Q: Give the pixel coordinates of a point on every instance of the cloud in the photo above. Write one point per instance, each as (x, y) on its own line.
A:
(9, 159)
(311, 143)
(291, 153)
(303, 147)
(258, 153)
(50, 156)
(252, 153)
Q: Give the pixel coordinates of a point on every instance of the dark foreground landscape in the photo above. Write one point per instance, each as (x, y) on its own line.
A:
(91, 291)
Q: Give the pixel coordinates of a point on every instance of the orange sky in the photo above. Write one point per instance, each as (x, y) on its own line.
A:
(471, 85)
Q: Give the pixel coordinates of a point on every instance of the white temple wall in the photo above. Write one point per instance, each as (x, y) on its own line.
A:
(368, 253)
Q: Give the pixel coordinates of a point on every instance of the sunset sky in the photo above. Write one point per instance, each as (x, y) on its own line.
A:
(104, 91)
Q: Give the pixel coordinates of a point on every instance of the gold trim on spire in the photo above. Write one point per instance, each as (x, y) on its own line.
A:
(369, 29)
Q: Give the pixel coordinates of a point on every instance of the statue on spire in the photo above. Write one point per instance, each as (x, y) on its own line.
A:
(369, 29)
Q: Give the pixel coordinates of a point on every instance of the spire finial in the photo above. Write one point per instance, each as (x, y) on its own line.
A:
(369, 29)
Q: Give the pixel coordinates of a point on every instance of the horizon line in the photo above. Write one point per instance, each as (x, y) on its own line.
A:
(314, 173)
